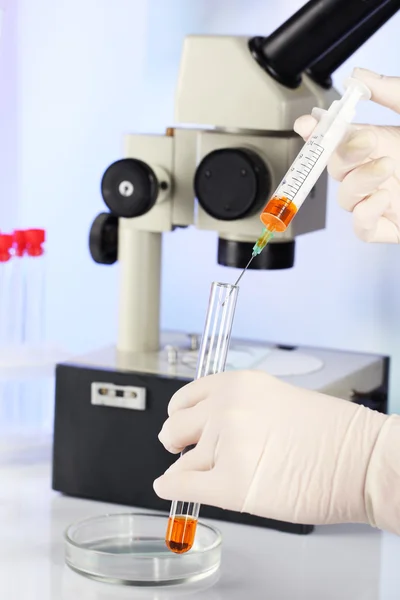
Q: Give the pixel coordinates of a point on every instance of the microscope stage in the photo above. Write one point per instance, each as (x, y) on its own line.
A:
(334, 372)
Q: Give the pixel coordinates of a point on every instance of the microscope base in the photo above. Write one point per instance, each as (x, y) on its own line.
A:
(110, 408)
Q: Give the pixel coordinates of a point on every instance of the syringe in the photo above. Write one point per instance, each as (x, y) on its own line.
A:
(309, 164)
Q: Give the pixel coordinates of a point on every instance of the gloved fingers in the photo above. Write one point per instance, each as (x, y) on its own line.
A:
(304, 126)
(385, 232)
(188, 396)
(352, 152)
(370, 222)
(193, 486)
(192, 475)
(388, 141)
(317, 113)
(385, 90)
(196, 391)
(363, 181)
(197, 459)
(183, 428)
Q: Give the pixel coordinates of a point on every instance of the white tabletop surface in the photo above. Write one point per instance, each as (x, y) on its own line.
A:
(341, 563)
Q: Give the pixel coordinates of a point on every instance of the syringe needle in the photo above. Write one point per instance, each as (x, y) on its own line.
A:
(265, 237)
(244, 271)
(238, 279)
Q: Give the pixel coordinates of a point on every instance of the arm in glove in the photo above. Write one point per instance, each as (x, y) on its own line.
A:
(367, 164)
(270, 449)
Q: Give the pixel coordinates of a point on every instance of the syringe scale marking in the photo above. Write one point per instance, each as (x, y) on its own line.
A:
(296, 186)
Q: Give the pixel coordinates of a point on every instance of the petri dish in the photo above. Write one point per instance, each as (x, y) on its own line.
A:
(129, 549)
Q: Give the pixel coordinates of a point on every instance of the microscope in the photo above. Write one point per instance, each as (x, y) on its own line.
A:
(236, 102)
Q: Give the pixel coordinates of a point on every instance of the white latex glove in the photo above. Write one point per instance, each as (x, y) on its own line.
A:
(367, 164)
(270, 449)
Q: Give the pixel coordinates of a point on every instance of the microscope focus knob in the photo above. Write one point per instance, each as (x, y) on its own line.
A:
(129, 188)
(232, 183)
(103, 239)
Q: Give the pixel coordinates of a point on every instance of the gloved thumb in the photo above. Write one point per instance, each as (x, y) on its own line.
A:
(304, 126)
(385, 90)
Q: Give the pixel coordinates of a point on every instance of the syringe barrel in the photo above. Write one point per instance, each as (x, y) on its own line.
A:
(211, 360)
(310, 33)
(312, 159)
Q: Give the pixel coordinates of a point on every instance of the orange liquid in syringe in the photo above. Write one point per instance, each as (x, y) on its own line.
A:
(181, 532)
(278, 213)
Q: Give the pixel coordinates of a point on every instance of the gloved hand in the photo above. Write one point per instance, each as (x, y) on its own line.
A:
(270, 449)
(367, 163)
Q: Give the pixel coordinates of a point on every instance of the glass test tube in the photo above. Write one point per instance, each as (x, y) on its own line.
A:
(34, 333)
(6, 289)
(19, 286)
(212, 356)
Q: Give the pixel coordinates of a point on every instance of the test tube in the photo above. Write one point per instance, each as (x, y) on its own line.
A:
(183, 517)
(35, 312)
(19, 285)
(6, 289)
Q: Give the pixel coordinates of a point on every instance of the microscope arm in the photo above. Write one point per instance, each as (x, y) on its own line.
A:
(139, 294)
(137, 193)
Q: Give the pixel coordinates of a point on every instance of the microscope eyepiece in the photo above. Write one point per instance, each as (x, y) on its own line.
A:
(309, 34)
(322, 69)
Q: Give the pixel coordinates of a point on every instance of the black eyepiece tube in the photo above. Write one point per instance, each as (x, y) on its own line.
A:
(323, 68)
(308, 35)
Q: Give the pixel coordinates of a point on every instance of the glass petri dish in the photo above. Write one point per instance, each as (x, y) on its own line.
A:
(129, 549)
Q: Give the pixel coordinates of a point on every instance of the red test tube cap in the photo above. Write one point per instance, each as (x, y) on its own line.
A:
(19, 242)
(6, 241)
(35, 239)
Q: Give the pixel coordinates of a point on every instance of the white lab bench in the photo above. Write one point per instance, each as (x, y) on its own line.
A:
(333, 563)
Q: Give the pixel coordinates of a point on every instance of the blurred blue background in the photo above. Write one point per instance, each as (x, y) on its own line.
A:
(75, 76)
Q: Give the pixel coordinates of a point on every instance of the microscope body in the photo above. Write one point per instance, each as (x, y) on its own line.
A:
(232, 143)
(251, 113)
(231, 167)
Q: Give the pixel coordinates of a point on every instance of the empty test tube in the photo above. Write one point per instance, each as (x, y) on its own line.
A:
(6, 289)
(34, 331)
(182, 523)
